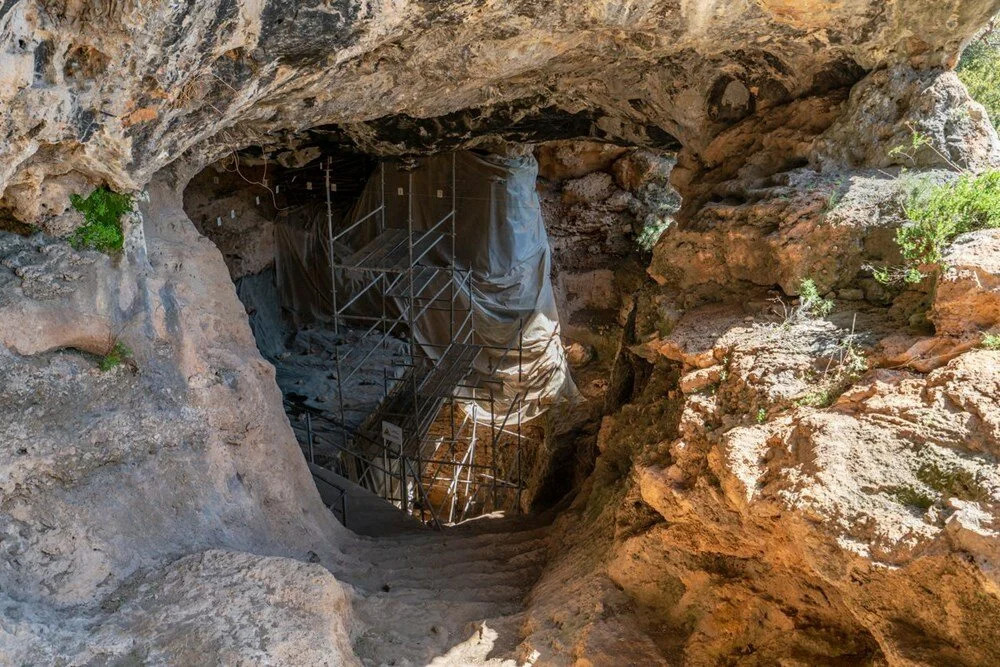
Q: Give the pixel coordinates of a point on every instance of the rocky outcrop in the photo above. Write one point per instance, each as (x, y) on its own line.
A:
(875, 125)
(967, 296)
(795, 225)
(603, 207)
(108, 471)
(237, 220)
(807, 502)
(793, 480)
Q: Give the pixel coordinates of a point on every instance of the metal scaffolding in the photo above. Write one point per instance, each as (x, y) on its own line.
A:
(440, 444)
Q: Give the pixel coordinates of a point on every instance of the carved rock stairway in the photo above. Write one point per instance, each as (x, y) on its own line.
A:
(454, 597)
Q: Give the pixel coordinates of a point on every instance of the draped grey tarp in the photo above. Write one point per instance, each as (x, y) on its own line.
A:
(500, 236)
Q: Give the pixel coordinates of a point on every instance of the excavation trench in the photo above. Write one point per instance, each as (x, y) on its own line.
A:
(431, 372)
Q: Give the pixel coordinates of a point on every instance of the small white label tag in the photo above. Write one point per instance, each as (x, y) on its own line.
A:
(392, 434)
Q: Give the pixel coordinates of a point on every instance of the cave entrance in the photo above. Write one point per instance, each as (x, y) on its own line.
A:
(407, 309)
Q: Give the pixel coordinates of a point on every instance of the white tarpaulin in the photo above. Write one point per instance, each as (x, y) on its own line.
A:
(499, 235)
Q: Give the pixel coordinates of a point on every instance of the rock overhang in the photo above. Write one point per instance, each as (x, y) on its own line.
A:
(117, 93)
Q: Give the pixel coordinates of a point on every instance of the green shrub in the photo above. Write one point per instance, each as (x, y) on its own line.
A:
(810, 300)
(818, 398)
(761, 415)
(917, 141)
(846, 369)
(118, 355)
(911, 497)
(953, 482)
(936, 214)
(979, 70)
(939, 213)
(102, 211)
(892, 275)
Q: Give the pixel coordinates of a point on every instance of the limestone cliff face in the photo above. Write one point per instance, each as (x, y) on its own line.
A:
(113, 91)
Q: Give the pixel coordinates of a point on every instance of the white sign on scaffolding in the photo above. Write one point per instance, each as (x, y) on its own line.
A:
(392, 434)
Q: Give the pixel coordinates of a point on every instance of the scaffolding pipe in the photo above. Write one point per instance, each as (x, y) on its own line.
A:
(434, 381)
(354, 225)
(333, 261)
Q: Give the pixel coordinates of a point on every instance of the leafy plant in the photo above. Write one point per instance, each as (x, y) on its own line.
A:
(952, 481)
(917, 141)
(911, 497)
(836, 194)
(102, 211)
(116, 356)
(810, 300)
(893, 275)
(936, 214)
(990, 341)
(979, 70)
(819, 398)
(841, 372)
(940, 213)
(761, 415)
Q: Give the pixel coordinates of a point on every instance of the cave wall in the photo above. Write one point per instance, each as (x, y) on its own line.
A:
(787, 484)
(183, 448)
(236, 215)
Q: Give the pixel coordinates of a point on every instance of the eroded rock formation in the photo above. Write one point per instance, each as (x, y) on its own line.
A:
(770, 485)
(183, 448)
(110, 91)
(787, 485)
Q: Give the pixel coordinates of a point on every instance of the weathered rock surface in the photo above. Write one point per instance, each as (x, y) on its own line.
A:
(875, 125)
(782, 486)
(787, 486)
(967, 296)
(803, 506)
(184, 447)
(239, 222)
(563, 160)
(214, 607)
(802, 224)
(115, 93)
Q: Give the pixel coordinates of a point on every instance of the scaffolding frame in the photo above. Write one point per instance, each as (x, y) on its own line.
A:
(451, 450)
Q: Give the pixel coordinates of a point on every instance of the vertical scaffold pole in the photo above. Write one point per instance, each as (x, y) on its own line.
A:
(472, 462)
(333, 270)
(520, 349)
(381, 196)
(520, 406)
(340, 397)
(493, 449)
(380, 222)
(451, 292)
(410, 315)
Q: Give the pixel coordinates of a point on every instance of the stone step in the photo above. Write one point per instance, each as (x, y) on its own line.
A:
(438, 560)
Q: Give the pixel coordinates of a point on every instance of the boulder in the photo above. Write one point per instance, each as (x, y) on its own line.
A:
(876, 130)
(213, 607)
(639, 167)
(590, 189)
(967, 294)
(564, 160)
